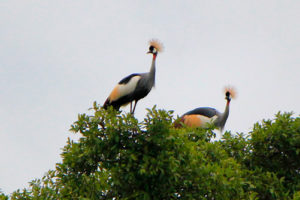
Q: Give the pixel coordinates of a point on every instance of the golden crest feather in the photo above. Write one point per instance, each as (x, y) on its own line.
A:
(157, 45)
(232, 91)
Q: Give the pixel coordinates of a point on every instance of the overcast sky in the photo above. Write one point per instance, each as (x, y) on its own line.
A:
(57, 57)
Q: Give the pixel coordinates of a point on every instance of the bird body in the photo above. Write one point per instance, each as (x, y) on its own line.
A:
(200, 117)
(123, 92)
(135, 86)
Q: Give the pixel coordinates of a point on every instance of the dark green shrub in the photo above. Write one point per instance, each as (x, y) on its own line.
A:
(118, 157)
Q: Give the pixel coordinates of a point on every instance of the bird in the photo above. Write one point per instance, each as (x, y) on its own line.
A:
(200, 117)
(135, 86)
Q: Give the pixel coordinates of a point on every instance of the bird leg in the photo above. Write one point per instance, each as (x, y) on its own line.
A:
(135, 102)
(131, 107)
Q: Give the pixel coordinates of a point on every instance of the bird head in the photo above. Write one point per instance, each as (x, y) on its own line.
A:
(155, 46)
(230, 93)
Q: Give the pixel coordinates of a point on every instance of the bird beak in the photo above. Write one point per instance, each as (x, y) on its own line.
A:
(149, 52)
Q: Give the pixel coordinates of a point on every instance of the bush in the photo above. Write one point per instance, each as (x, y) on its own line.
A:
(119, 157)
(276, 148)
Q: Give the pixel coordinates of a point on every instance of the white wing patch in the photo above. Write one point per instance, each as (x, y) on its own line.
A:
(124, 89)
(205, 120)
(128, 87)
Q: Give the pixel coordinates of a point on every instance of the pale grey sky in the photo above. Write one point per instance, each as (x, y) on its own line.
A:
(57, 57)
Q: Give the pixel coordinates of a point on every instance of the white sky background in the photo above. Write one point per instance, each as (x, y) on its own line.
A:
(57, 58)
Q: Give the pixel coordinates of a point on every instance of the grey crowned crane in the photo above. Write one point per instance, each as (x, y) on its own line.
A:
(135, 86)
(199, 117)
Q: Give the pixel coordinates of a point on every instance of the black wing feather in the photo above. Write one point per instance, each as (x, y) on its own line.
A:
(127, 78)
(205, 111)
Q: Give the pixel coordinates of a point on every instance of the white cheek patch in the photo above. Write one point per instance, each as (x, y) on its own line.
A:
(125, 89)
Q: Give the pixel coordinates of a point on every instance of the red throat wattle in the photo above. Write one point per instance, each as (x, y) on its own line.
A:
(228, 102)
(154, 56)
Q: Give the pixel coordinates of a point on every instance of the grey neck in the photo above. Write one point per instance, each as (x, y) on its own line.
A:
(224, 116)
(152, 72)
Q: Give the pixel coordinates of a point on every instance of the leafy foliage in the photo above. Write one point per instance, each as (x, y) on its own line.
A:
(118, 157)
(276, 148)
(3, 196)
